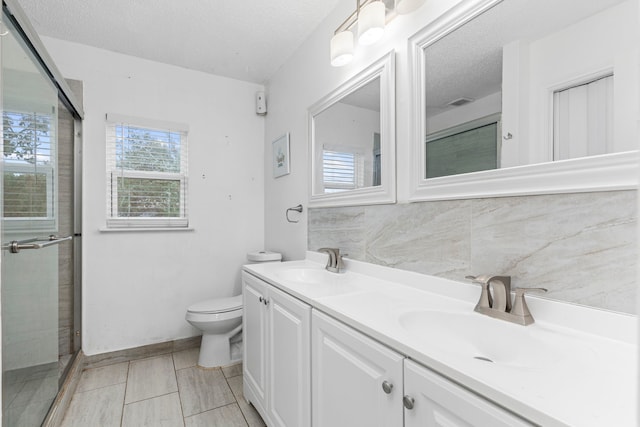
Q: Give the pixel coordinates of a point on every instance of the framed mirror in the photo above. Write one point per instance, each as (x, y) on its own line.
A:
(514, 97)
(352, 140)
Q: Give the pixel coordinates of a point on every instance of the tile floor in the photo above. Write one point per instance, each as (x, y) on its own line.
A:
(27, 394)
(166, 390)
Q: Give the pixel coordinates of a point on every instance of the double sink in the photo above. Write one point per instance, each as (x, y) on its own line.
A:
(573, 366)
(456, 328)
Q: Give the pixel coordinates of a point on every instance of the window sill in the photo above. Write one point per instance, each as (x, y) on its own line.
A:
(137, 229)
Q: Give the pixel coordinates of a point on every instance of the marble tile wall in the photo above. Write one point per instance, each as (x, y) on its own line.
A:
(582, 247)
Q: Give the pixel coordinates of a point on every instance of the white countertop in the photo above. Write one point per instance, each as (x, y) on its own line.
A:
(580, 364)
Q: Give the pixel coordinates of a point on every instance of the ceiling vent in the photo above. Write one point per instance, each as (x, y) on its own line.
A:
(460, 101)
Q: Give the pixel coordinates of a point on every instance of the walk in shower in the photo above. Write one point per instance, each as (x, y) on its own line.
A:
(40, 226)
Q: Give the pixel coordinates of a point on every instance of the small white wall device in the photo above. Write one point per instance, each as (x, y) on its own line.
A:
(261, 104)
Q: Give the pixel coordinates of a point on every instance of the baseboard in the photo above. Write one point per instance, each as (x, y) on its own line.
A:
(103, 359)
(63, 399)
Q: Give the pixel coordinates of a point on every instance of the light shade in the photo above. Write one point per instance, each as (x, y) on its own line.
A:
(408, 6)
(341, 48)
(371, 21)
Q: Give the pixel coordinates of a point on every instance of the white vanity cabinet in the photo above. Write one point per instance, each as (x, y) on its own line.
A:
(356, 380)
(276, 335)
(432, 400)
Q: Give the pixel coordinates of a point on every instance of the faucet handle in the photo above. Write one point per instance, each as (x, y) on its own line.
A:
(482, 278)
(485, 300)
(520, 308)
(522, 291)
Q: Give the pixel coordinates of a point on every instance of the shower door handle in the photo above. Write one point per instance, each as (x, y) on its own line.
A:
(16, 246)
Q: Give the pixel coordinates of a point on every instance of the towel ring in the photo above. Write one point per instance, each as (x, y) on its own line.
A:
(295, 209)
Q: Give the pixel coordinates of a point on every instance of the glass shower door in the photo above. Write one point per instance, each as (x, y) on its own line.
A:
(29, 229)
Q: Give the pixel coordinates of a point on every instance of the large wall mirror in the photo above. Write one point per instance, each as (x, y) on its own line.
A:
(518, 97)
(352, 140)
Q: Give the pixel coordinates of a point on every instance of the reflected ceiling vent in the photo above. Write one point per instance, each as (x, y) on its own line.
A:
(460, 101)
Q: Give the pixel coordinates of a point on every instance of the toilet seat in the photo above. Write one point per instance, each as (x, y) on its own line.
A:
(217, 305)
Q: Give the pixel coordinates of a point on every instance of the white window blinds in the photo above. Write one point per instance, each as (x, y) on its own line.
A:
(146, 173)
(339, 171)
(29, 162)
(583, 120)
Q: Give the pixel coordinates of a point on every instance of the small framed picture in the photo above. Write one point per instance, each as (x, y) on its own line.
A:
(280, 150)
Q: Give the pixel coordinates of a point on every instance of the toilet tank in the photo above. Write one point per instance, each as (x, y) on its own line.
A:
(263, 256)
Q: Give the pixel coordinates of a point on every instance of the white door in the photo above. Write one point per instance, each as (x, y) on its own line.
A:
(254, 335)
(434, 401)
(289, 375)
(355, 380)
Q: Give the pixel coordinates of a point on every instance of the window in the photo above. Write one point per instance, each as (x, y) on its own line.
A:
(341, 171)
(146, 174)
(29, 163)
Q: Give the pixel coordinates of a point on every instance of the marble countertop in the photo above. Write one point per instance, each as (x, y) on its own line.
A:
(575, 366)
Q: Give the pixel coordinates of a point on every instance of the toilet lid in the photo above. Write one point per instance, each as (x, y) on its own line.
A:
(217, 305)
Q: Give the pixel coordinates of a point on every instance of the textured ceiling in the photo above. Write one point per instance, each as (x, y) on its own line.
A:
(242, 39)
(468, 61)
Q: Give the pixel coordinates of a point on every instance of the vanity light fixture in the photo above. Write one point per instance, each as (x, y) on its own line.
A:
(369, 20)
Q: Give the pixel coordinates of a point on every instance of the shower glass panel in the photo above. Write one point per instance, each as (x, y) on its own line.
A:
(29, 171)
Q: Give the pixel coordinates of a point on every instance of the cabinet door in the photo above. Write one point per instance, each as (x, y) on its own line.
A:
(348, 372)
(440, 402)
(289, 375)
(254, 336)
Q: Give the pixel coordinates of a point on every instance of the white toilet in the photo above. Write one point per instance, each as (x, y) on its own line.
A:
(220, 319)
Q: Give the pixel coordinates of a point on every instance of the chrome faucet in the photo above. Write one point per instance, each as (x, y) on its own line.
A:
(495, 299)
(334, 263)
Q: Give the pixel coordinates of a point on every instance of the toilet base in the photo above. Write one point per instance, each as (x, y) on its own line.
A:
(215, 350)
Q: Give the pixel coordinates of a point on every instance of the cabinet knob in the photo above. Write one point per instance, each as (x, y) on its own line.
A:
(387, 387)
(408, 402)
(266, 301)
(261, 299)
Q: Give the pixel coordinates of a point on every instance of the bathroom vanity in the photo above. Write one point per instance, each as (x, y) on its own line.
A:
(376, 346)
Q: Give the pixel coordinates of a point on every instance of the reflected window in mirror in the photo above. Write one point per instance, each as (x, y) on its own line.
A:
(560, 77)
(341, 171)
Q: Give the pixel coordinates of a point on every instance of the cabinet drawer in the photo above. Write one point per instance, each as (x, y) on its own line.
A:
(440, 402)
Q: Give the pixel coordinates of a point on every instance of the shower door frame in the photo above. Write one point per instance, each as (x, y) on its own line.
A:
(13, 11)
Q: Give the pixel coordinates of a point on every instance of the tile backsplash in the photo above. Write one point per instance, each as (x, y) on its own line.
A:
(582, 247)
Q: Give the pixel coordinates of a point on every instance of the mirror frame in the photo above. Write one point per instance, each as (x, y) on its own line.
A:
(616, 171)
(385, 193)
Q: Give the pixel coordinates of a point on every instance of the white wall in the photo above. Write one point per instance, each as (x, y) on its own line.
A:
(137, 285)
(304, 79)
(603, 43)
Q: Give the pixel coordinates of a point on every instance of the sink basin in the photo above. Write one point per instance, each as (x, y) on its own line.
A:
(308, 275)
(475, 336)
(317, 283)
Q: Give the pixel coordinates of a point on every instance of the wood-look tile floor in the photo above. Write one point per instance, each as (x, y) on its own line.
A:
(166, 390)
